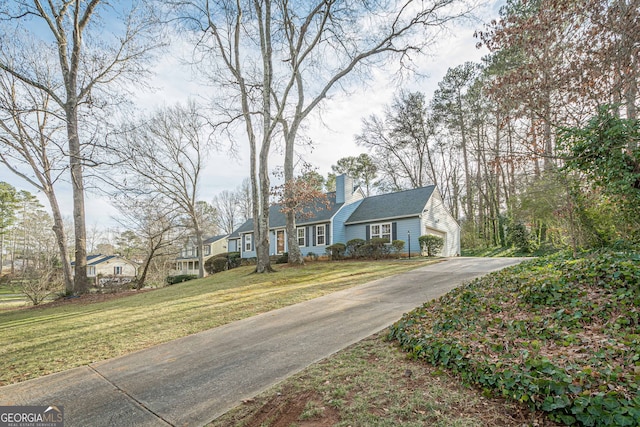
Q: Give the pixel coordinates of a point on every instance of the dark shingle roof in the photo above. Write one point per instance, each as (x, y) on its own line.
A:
(247, 226)
(392, 205)
(98, 259)
(277, 219)
(318, 213)
(214, 239)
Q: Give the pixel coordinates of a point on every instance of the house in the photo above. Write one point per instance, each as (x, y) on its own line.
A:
(404, 215)
(102, 268)
(187, 261)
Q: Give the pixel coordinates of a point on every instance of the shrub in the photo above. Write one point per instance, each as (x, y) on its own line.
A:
(231, 260)
(381, 247)
(216, 264)
(336, 251)
(518, 236)
(397, 246)
(366, 250)
(38, 285)
(353, 247)
(172, 280)
(375, 248)
(431, 244)
(234, 259)
(283, 259)
(312, 256)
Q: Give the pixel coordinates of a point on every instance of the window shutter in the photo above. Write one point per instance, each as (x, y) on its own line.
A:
(394, 231)
(326, 236)
(367, 233)
(313, 235)
(306, 237)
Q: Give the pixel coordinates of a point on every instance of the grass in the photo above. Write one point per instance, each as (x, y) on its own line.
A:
(373, 383)
(551, 341)
(44, 340)
(508, 251)
(11, 297)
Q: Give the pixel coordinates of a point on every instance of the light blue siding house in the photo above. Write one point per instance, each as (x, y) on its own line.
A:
(403, 215)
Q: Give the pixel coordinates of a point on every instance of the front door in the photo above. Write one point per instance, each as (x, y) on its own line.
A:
(280, 241)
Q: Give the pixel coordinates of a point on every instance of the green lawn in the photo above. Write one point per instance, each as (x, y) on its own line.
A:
(11, 297)
(44, 340)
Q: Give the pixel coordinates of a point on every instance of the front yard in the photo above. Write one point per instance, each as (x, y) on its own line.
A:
(51, 338)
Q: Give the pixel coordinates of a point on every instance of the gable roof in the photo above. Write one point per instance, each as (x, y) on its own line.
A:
(247, 226)
(99, 259)
(321, 212)
(277, 219)
(393, 205)
(213, 239)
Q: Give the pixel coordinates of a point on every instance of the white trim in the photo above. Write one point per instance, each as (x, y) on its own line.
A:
(304, 236)
(380, 233)
(248, 242)
(322, 227)
(391, 218)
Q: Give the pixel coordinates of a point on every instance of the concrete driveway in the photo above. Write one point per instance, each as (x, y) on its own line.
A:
(193, 380)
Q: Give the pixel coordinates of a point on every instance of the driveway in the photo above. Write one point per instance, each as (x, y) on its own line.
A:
(193, 380)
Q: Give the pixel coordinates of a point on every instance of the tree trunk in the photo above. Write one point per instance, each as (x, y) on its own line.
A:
(81, 284)
(61, 241)
(145, 268)
(261, 226)
(293, 249)
(2, 251)
(200, 243)
(465, 157)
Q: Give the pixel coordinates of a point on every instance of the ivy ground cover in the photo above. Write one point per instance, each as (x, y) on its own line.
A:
(560, 334)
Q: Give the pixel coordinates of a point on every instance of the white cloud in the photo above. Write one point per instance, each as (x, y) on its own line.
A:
(332, 129)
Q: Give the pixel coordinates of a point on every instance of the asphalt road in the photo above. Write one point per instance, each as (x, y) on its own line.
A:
(193, 380)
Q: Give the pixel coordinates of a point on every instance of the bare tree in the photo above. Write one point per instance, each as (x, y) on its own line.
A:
(78, 77)
(227, 209)
(30, 148)
(362, 168)
(284, 58)
(164, 156)
(245, 200)
(400, 143)
(155, 223)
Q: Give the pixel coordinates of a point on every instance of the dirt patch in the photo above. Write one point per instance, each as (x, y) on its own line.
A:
(291, 408)
(374, 383)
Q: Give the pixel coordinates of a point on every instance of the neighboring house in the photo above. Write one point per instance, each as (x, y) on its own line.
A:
(187, 262)
(404, 215)
(109, 267)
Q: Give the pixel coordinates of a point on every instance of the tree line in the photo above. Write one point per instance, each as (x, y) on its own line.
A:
(537, 145)
(506, 140)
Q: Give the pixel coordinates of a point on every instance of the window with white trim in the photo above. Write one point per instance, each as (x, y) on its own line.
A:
(320, 235)
(117, 270)
(91, 270)
(382, 231)
(302, 236)
(247, 242)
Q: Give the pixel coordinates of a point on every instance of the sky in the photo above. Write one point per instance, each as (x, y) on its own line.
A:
(333, 132)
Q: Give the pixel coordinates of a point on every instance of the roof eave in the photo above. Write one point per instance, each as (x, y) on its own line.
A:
(364, 221)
